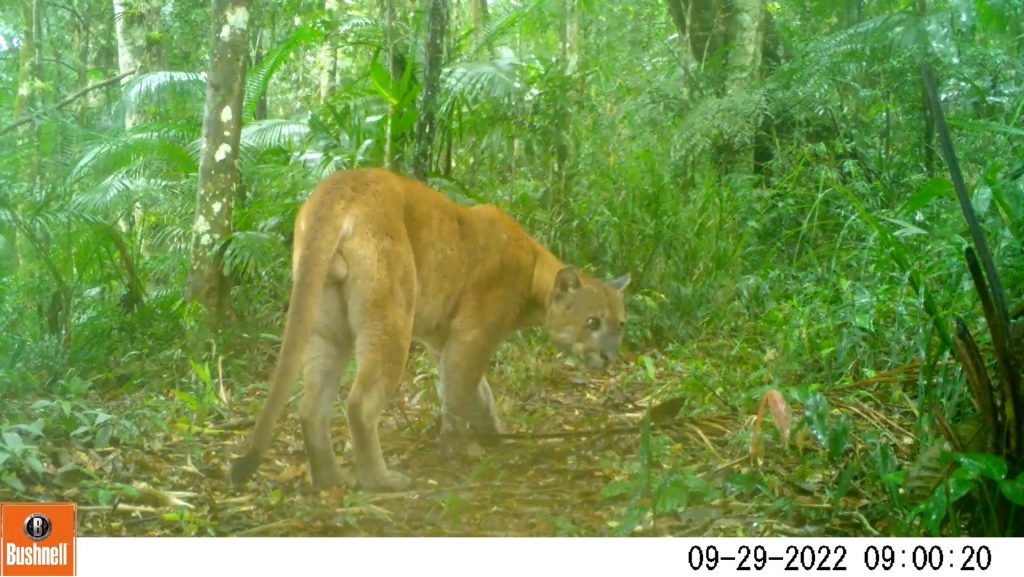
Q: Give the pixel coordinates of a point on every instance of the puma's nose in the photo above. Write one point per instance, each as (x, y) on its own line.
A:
(605, 358)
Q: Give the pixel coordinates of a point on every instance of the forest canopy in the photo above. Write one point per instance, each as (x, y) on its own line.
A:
(820, 204)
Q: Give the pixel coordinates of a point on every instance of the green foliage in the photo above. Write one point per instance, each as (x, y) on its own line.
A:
(797, 230)
(978, 477)
(655, 485)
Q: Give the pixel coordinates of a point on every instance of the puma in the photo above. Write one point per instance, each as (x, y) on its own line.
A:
(381, 260)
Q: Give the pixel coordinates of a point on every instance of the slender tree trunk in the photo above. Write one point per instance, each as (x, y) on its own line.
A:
(745, 49)
(328, 57)
(83, 40)
(746, 35)
(437, 28)
(570, 30)
(388, 9)
(30, 78)
(479, 14)
(27, 74)
(136, 25)
(24, 105)
(219, 179)
(928, 130)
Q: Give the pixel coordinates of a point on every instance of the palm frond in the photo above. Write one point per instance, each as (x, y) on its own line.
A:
(160, 85)
(258, 79)
(274, 133)
(250, 251)
(119, 192)
(166, 143)
(505, 18)
(496, 80)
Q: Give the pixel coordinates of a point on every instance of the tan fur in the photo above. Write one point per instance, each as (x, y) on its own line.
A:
(381, 260)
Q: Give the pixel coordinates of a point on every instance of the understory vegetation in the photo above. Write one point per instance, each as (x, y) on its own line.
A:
(808, 351)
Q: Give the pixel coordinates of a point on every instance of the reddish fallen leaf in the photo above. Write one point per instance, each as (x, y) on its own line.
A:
(782, 416)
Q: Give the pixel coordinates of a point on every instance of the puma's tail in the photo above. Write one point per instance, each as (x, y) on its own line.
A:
(326, 230)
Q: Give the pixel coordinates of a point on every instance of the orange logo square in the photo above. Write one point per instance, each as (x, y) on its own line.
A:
(38, 538)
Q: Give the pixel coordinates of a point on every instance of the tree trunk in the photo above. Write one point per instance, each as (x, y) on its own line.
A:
(437, 28)
(479, 14)
(328, 57)
(746, 34)
(28, 100)
(218, 162)
(136, 25)
(570, 30)
(388, 11)
(28, 62)
(745, 48)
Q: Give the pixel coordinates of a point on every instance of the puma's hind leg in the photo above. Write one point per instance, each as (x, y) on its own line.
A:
(326, 356)
(382, 319)
(380, 360)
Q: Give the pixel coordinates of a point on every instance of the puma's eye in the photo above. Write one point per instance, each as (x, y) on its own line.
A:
(593, 323)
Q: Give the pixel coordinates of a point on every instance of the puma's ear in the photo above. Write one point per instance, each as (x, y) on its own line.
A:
(620, 283)
(566, 282)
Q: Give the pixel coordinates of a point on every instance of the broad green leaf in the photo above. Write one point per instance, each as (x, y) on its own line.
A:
(981, 199)
(839, 437)
(959, 484)
(649, 369)
(617, 487)
(816, 417)
(202, 371)
(33, 463)
(13, 441)
(102, 439)
(933, 511)
(34, 429)
(983, 465)
(927, 192)
(13, 482)
(1013, 489)
(382, 81)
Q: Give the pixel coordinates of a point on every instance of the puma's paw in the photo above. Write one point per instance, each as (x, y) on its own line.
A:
(243, 467)
(332, 477)
(391, 481)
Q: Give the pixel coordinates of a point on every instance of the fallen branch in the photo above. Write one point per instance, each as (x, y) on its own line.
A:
(26, 119)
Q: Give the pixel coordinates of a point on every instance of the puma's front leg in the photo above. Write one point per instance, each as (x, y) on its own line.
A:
(467, 404)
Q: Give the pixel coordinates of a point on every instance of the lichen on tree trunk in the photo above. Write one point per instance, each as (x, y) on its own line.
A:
(137, 27)
(219, 179)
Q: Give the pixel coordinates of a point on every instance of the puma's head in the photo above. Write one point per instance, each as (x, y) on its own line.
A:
(586, 316)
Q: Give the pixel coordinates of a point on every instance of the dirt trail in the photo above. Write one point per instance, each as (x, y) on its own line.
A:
(556, 478)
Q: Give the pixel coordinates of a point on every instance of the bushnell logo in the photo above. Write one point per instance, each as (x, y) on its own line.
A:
(37, 527)
(38, 539)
